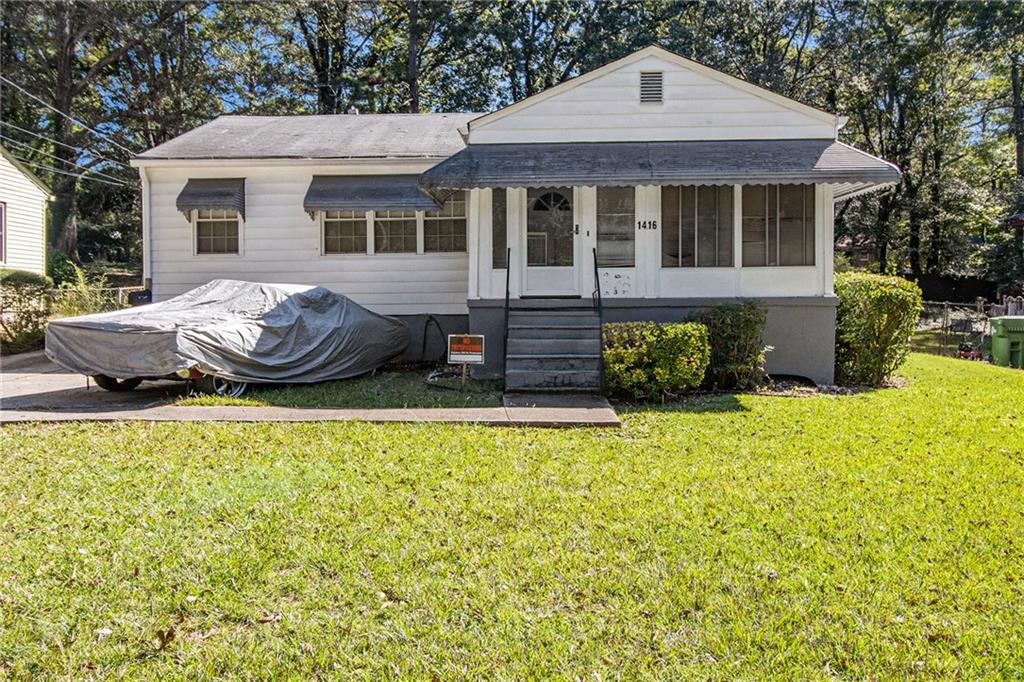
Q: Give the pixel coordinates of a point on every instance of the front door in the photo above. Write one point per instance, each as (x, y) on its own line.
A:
(552, 242)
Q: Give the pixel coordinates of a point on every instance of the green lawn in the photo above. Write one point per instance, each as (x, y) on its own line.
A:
(402, 387)
(875, 536)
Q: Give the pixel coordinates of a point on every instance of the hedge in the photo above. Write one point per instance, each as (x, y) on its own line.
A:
(736, 334)
(644, 360)
(874, 322)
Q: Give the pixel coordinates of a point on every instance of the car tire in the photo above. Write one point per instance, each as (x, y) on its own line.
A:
(228, 388)
(114, 384)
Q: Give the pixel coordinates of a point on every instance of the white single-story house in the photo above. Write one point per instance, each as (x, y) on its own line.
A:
(662, 184)
(23, 200)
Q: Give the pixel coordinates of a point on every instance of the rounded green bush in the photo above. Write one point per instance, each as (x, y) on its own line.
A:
(10, 277)
(874, 322)
(736, 334)
(651, 360)
(63, 270)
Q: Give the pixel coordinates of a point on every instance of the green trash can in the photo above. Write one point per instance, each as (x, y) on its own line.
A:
(1008, 341)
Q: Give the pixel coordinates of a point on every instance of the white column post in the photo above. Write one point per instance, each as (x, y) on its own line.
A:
(473, 242)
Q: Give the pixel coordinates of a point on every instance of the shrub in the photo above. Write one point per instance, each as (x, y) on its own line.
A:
(63, 270)
(874, 322)
(650, 360)
(83, 297)
(24, 308)
(736, 334)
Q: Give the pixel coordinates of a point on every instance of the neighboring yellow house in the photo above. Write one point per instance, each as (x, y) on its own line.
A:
(23, 199)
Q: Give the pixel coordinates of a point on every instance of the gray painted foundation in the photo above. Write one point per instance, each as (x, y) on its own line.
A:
(801, 329)
(434, 329)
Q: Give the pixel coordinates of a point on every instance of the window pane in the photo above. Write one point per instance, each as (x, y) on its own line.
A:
(216, 232)
(707, 226)
(754, 225)
(773, 224)
(445, 230)
(725, 226)
(791, 225)
(392, 235)
(615, 217)
(808, 224)
(687, 233)
(499, 218)
(346, 235)
(670, 227)
(549, 226)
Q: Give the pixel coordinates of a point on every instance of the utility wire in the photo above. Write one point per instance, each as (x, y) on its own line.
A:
(62, 144)
(70, 118)
(81, 176)
(55, 158)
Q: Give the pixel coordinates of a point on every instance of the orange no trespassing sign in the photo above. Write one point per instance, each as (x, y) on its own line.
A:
(466, 349)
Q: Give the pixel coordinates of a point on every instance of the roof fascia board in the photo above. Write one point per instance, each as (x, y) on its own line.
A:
(406, 164)
(660, 52)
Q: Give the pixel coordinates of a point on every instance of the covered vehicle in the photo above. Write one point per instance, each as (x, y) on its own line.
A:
(233, 332)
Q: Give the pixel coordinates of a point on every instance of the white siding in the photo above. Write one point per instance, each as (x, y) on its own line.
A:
(281, 244)
(696, 107)
(26, 220)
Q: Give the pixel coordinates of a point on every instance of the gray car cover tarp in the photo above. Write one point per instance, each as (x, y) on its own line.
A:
(238, 330)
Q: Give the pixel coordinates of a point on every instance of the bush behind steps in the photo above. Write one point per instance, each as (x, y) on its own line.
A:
(874, 322)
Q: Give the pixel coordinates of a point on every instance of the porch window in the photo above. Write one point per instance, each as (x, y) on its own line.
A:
(697, 226)
(616, 213)
(778, 225)
(344, 232)
(499, 229)
(445, 230)
(217, 232)
(394, 232)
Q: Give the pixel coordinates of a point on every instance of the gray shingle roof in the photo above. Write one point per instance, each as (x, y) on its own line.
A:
(341, 136)
(656, 163)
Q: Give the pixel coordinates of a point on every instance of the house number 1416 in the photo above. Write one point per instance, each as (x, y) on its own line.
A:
(647, 224)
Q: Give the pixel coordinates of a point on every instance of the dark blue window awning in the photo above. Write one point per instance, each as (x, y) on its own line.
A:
(367, 193)
(213, 194)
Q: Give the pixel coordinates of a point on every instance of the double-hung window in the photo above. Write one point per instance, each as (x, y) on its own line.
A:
(697, 226)
(217, 231)
(445, 230)
(344, 232)
(778, 225)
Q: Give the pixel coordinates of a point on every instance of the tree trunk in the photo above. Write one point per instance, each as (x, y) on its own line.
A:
(1018, 139)
(64, 217)
(935, 247)
(412, 64)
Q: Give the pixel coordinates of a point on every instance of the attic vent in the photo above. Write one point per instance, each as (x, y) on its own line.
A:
(651, 87)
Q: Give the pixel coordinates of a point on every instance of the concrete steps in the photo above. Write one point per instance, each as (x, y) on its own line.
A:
(553, 350)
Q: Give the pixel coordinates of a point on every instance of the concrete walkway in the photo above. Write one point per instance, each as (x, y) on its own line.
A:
(34, 390)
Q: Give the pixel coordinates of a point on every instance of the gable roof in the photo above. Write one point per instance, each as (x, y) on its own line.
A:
(26, 172)
(331, 136)
(672, 57)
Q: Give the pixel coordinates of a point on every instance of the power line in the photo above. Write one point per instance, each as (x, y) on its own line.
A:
(81, 176)
(55, 158)
(84, 150)
(61, 113)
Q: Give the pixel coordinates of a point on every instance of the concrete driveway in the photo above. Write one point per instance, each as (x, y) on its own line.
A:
(32, 389)
(31, 382)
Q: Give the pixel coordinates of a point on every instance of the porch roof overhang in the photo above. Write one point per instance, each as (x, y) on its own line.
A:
(212, 194)
(366, 193)
(747, 162)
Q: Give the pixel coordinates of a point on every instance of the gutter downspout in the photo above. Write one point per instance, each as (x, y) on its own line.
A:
(147, 242)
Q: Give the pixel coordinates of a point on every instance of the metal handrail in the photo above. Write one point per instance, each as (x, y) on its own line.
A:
(599, 305)
(504, 344)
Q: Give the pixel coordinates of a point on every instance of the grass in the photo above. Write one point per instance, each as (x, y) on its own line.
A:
(875, 536)
(405, 387)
